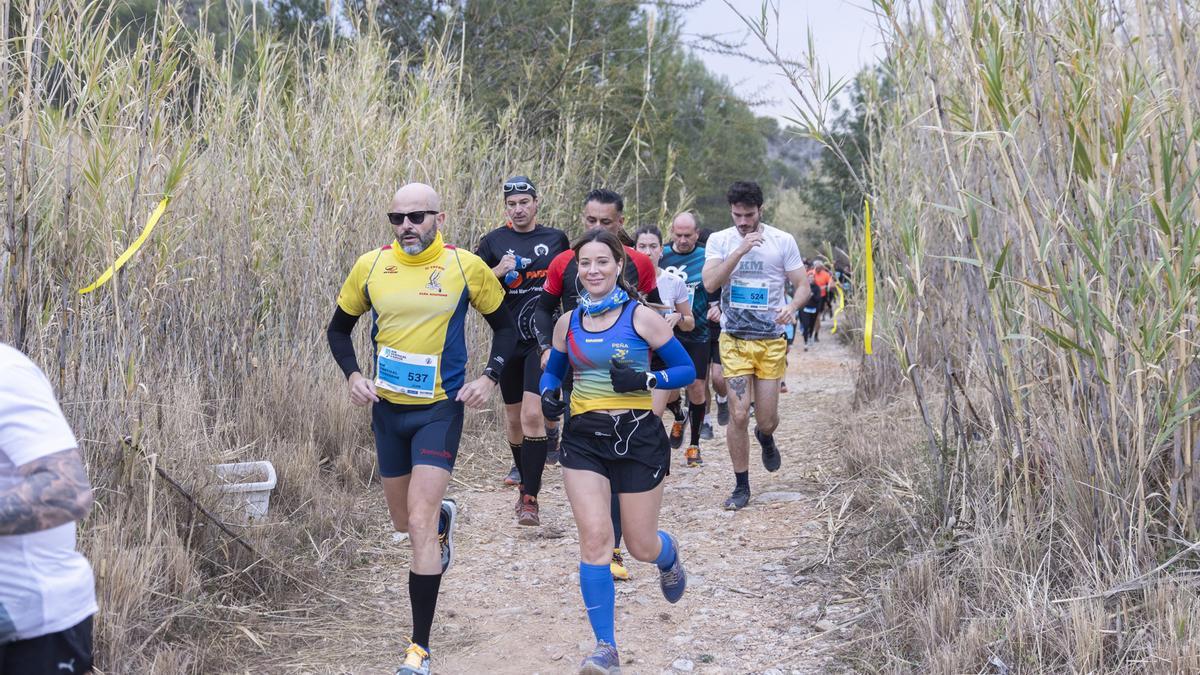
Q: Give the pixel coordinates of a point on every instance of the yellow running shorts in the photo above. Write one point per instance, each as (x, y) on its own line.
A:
(764, 359)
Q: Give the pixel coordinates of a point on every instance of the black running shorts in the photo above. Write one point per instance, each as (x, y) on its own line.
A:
(630, 449)
(416, 434)
(67, 651)
(522, 373)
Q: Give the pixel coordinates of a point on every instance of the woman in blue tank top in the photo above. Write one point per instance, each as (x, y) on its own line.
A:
(613, 442)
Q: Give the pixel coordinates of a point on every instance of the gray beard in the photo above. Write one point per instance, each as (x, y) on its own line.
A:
(422, 244)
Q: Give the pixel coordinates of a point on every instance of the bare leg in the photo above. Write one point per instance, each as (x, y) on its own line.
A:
(737, 435)
(425, 494)
(639, 522)
(590, 497)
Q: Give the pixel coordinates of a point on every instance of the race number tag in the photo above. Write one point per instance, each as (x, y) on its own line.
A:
(749, 295)
(405, 373)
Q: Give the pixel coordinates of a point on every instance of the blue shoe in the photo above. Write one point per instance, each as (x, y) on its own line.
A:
(603, 661)
(706, 431)
(673, 580)
(446, 532)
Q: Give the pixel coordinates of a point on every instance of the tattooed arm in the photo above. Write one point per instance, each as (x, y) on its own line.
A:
(53, 490)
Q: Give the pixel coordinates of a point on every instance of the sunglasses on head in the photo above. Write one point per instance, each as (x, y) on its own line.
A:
(416, 217)
(518, 187)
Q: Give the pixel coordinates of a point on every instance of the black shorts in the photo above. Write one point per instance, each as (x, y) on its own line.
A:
(522, 373)
(698, 351)
(630, 449)
(51, 653)
(416, 434)
(714, 349)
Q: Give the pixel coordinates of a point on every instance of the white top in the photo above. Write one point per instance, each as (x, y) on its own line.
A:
(756, 290)
(45, 584)
(672, 289)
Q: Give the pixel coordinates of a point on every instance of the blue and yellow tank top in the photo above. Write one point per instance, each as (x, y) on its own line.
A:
(590, 353)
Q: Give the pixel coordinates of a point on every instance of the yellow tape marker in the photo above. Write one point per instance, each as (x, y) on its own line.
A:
(869, 325)
(840, 305)
(133, 248)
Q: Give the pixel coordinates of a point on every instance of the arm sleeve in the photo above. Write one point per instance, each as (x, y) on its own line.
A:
(543, 318)
(556, 369)
(679, 371)
(504, 338)
(340, 343)
(31, 423)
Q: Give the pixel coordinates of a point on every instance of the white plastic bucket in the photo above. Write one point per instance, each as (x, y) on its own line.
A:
(245, 489)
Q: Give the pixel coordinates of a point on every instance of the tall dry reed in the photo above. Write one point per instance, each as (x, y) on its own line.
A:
(1036, 237)
(209, 345)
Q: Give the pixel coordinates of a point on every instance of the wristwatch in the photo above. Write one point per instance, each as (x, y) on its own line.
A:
(651, 381)
(491, 374)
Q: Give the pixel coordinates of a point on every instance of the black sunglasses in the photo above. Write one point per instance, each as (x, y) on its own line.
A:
(416, 217)
(518, 187)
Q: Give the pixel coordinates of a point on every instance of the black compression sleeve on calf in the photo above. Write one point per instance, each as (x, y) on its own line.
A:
(696, 412)
(423, 594)
(533, 463)
(504, 338)
(515, 448)
(543, 319)
(340, 342)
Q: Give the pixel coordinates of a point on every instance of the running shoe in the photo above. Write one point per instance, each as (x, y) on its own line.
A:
(617, 566)
(770, 452)
(603, 661)
(446, 519)
(552, 457)
(527, 511)
(783, 386)
(723, 412)
(751, 413)
(513, 477)
(416, 661)
(706, 432)
(676, 434)
(673, 580)
(738, 500)
(692, 455)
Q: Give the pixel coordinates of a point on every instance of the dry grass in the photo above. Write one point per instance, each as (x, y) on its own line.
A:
(209, 346)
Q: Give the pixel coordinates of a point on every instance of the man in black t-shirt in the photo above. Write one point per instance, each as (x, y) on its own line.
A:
(519, 253)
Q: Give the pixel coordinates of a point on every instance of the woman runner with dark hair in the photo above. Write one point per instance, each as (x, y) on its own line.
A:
(613, 443)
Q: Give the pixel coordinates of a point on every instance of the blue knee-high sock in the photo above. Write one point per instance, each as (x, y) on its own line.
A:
(666, 556)
(599, 598)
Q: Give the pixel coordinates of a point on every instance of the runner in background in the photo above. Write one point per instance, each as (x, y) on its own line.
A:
(519, 254)
(684, 258)
(824, 280)
(716, 374)
(676, 309)
(809, 313)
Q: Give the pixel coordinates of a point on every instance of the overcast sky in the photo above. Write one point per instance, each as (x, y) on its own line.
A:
(844, 31)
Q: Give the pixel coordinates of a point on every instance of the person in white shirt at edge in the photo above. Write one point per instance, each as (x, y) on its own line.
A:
(749, 265)
(676, 306)
(47, 593)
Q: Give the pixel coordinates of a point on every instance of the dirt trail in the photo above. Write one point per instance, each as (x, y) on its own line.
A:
(759, 597)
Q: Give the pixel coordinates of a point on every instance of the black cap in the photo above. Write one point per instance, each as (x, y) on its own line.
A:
(519, 185)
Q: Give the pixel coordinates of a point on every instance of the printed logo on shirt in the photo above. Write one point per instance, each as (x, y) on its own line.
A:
(390, 269)
(541, 249)
(435, 281)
